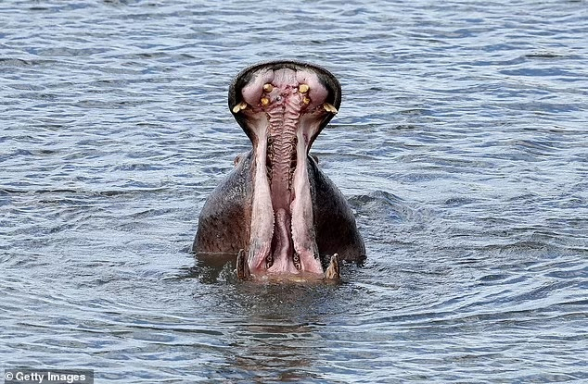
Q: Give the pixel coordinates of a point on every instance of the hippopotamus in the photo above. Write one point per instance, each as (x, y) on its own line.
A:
(276, 211)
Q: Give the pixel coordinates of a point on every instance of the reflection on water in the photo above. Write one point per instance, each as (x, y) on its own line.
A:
(280, 337)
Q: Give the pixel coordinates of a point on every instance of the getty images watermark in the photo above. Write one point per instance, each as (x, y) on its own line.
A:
(48, 376)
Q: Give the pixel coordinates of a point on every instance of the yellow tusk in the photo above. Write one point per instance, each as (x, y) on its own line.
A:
(239, 107)
(333, 271)
(264, 101)
(306, 100)
(303, 88)
(268, 87)
(330, 108)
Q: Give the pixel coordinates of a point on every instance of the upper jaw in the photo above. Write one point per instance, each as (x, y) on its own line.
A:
(258, 75)
(283, 106)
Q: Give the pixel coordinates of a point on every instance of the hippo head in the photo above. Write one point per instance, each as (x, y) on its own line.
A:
(282, 106)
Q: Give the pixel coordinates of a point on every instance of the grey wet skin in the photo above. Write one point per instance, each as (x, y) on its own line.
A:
(307, 220)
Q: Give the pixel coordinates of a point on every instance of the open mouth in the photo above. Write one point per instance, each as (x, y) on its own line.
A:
(282, 106)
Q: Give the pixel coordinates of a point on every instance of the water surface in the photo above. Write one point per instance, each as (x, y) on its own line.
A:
(461, 144)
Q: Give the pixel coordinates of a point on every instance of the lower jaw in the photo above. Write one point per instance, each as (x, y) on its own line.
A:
(282, 234)
(331, 274)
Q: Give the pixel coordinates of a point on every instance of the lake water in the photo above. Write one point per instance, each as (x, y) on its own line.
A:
(461, 143)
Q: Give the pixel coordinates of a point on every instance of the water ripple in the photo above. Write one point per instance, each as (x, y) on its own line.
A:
(460, 143)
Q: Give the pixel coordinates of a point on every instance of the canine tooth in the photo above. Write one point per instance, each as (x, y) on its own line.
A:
(264, 101)
(330, 108)
(239, 107)
(306, 100)
(303, 88)
(242, 268)
(333, 271)
(268, 87)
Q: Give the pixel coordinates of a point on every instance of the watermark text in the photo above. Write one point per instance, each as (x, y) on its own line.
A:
(48, 376)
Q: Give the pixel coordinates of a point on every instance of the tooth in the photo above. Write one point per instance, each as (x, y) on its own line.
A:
(239, 107)
(303, 88)
(268, 87)
(296, 260)
(306, 100)
(333, 271)
(330, 108)
(264, 101)
(243, 272)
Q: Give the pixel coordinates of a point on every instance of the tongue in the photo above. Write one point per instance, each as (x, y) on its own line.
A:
(282, 246)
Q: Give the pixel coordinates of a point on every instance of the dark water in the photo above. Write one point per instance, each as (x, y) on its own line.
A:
(462, 144)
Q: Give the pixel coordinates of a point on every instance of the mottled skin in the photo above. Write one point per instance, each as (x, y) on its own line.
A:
(333, 219)
(277, 207)
(223, 224)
